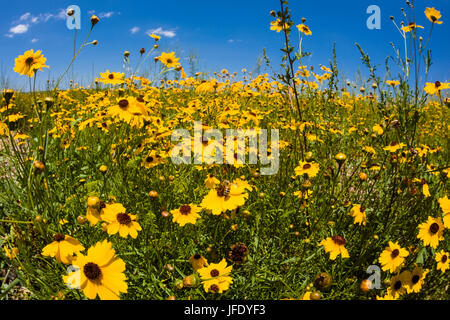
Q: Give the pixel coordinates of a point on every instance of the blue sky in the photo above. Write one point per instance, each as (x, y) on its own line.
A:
(222, 34)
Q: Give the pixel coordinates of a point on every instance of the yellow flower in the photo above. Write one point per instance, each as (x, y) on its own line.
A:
(433, 15)
(392, 257)
(436, 87)
(304, 29)
(335, 246)
(198, 261)
(309, 168)
(154, 36)
(169, 59)
(398, 286)
(99, 272)
(277, 25)
(307, 295)
(394, 146)
(11, 254)
(416, 279)
(62, 248)
(187, 213)
(119, 221)
(112, 77)
(127, 109)
(358, 212)
(29, 63)
(426, 190)
(431, 232)
(227, 196)
(211, 182)
(393, 82)
(410, 27)
(215, 277)
(443, 261)
(386, 297)
(378, 129)
(445, 206)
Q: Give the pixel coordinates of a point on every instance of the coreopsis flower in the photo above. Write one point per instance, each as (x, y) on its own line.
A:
(436, 87)
(127, 109)
(307, 295)
(433, 15)
(278, 25)
(30, 63)
(304, 29)
(335, 245)
(392, 257)
(431, 232)
(227, 196)
(426, 190)
(62, 248)
(11, 253)
(238, 253)
(378, 129)
(445, 206)
(187, 213)
(386, 297)
(93, 210)
(198, 261)
(155, 37)
(443, 261)
(215, 277)
(169, 59)
(211, 182)
(394, 146)
(309, 168)
(152, 160)
(393, 83)
(398, 286)
(416, 279)
(111, 77)
(411, 26)
(359, 214)
(120, 221)
(99, 272)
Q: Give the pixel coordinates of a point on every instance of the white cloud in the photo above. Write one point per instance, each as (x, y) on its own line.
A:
(134, 30)
(34, 40)
(25, 16)
(106, 15)
(234, 40)
(160, 31)
(19, 29)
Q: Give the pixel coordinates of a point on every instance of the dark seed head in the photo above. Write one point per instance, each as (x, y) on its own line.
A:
(444, 258)
(185, 209)
(395, 253)
(214, 273)
(214, 288)
(338, 240)
(123, 218)
(111, 76)
(92, 271)
(29, 61)
(123, 104)
(415, 279)
(398, 285)
(434, 228)
(306, 166)
(59, 237)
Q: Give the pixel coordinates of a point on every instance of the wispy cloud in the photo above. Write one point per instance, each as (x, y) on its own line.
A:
(26, 20)
(233, 40)
(34, 40)
(160, 31)
(19, 29)
(134, 30)
(104, 15)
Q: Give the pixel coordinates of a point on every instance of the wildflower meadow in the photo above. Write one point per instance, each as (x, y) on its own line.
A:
(294, 184)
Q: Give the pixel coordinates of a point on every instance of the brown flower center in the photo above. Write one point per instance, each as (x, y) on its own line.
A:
(214, 288)
(169, 61)
(306, 166)
(29, 61)
(394, 143)
(395, 253)
(111, 76)
(444, 259)
(102, 205)
(196, 256)
(214, 273)
(149, 159)
(437, 84)
(362, 209)
(415, 279)
(123, 218)
(59, 237)
(185, 209)
(434, 228)
(338, 240)
(397, 285)
(433, 18)
(92, 271)
(123, 104)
